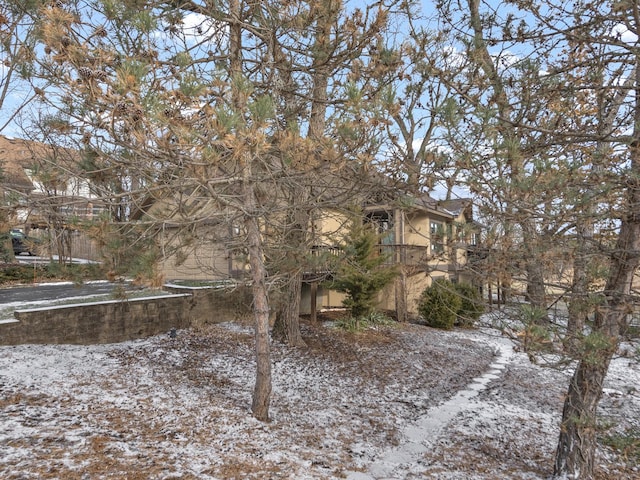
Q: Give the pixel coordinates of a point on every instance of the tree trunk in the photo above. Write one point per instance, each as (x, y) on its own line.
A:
(536, 294)
(255, 246)
(578, 304)
(577, 444)
(575, 455)
(262, 390)
(287, 326)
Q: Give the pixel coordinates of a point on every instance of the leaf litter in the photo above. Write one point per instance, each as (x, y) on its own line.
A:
(403, 402)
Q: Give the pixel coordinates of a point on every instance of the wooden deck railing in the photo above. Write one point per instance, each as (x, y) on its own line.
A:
(413, 255)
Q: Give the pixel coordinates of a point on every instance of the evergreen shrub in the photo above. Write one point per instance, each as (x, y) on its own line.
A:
(439, 304)
(362, 271)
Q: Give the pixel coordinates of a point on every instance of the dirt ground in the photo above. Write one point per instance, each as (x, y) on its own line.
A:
(169, 408)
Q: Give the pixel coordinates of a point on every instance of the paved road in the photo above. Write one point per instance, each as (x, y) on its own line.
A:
(54, 291)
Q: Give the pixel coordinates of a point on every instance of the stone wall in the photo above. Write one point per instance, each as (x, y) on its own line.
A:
(100, 322)
(216, 305)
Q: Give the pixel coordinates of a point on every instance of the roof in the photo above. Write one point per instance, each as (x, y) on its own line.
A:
(456, 206)
(445, 208)
(19, 155)
(15, 156)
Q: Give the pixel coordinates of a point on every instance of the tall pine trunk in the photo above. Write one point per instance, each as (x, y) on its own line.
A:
(255, 246)
(262, 390)
(534, 267)
(575, 455)
(578, 303)
(536, 293)
(287, 326)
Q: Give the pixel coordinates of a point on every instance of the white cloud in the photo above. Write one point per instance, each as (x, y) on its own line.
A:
(199, 27)
(626, 35)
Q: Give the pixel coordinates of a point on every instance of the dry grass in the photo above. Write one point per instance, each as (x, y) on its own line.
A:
(179, 408)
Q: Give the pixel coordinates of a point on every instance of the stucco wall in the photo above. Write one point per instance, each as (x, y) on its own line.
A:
(101, 322)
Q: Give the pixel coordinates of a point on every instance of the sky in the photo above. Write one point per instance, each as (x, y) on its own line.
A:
(194, 28)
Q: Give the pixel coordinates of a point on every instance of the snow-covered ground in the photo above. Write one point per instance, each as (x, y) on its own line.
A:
(406, 402)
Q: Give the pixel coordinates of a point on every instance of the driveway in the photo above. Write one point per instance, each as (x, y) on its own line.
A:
(56, 291)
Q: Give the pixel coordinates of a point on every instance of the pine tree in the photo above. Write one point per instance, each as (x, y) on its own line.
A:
(363, 271)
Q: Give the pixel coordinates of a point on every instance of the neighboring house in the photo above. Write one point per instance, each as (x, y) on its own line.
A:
(36, 186)
(41, 198)
(15, 158)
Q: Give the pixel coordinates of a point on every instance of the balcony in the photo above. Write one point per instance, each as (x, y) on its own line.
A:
(410, 255)
(324, 258)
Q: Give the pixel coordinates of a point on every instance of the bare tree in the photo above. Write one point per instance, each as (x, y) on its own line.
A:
(17, 53)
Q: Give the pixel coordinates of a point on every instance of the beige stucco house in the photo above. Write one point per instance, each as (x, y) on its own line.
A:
(426, 238)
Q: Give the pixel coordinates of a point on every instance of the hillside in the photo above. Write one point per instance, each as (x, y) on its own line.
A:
(395, 403)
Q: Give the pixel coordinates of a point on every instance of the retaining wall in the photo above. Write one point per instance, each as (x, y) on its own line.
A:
(216, 305)
(113, 321)
(100, 322)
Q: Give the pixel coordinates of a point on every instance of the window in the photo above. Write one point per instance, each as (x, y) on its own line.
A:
(383, 224)
(437, 237)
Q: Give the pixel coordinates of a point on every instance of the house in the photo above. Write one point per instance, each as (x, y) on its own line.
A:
(37, 183)
(427, 238)
(38, 191)
(205, 251)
